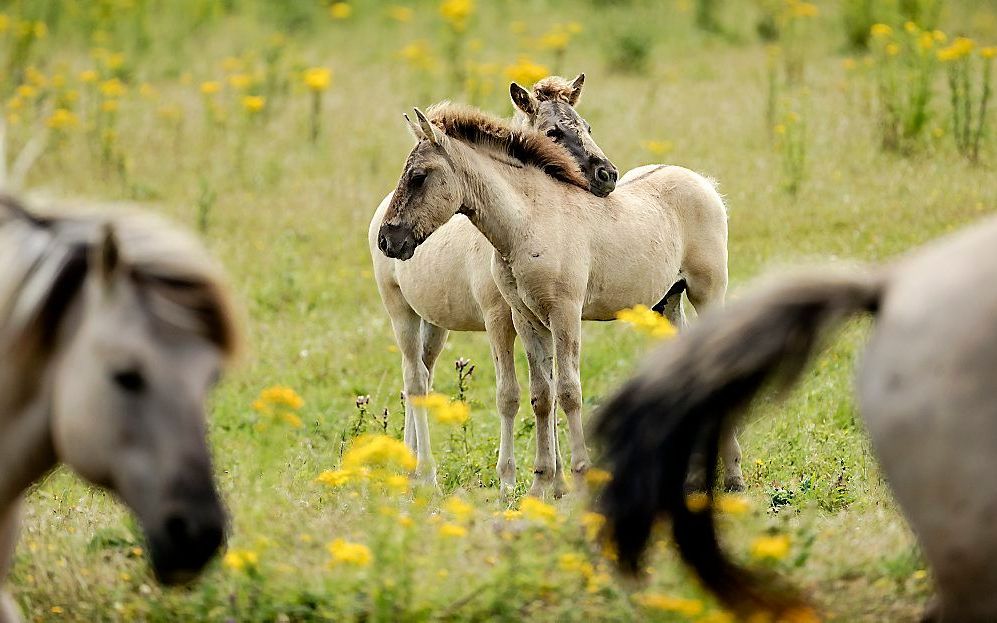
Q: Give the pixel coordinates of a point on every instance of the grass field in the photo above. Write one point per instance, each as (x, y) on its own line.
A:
(288, 217)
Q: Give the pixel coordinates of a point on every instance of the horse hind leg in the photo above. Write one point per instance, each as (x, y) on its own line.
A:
(670, 306)
(434, 338)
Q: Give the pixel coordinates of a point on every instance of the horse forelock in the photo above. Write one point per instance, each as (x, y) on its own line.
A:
(525, 144)
(44, 268)
(554, 88)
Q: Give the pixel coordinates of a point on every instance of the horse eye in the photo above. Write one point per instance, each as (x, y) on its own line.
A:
(417, 178)
(590, 129)
(130, 381)
(555, 133)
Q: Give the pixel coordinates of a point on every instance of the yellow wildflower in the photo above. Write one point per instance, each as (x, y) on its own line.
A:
(658, 148)
(88, 75)
(574, 27)
(56, 610)
(892, 49)
(697, 502)
(334, 477)
(62, 119)
(774, 547)
(988, 52)
(537, 510)
(418, 54)
(512, 515)
(378, 451)
(109, 106)
(113, 88)
(667, 603)
(732, 504)
(4, 22)
(452, 530)
(925, 41)
(318, 78)
(939, 36)
(254, 104)
(457, 507)
(880, 30)
(911, 27)
(456, 13)
(400, 13)
(848, 64)
(804, 9)
(596, 477)
(241, 559)
(26, 91)
(592, 523)
(340, 10)
(647, 320)
(211, 87)
(398, 483)
(525, 71)
(240, 81)
(147, 91)
(344, 552)
(446, 411)
(557, 39)
(959, 48)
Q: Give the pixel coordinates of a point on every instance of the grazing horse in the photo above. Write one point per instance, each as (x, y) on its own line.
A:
(926, 392)
(113, 330)
(448, 286)
(561, 255)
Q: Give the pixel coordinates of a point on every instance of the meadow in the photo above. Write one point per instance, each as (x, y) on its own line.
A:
(835, 131)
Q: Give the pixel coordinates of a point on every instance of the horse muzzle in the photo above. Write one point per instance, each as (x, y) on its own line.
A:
(185, 542)
(396, 241)
(603, 179)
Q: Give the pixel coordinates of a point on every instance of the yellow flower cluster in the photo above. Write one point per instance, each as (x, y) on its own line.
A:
(62, 119)
(418, 54)
(340, 10)
(279, 401)
(443, 409)
(525, 71)
(452, 530)
(401, 13)
(770, 547)
(667, 603)
(346, 553)
(253, 103)
(458, 508)
(378, 452)
(241, 559)
(318, 78)
(799, 9)
(644, 319)
(456, 13)
(559, 36)
(960, 47)
(595, 578)
(592, 523)
(537, 510)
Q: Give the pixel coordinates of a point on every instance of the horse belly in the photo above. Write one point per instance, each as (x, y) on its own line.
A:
(438, 281)
(628, 277)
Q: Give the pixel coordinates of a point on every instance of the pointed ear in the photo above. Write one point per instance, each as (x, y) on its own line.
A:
(523, 100)
(576, 89)
(414, 128)
(432, 134)
(106, 257)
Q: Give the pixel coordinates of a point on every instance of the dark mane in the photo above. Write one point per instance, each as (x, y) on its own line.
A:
(524, 144)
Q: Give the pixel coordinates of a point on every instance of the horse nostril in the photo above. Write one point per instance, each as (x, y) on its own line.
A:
(602, 174)
(382, 243)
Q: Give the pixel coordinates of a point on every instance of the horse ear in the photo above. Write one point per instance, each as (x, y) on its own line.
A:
(432, 134)
(576, 89)
(523, 99)
(414, 128)
(106, 257)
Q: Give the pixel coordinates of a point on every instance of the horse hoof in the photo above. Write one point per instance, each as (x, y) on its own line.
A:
(735, 485)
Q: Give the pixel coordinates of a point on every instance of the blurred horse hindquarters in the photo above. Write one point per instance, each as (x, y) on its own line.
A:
(926, 392)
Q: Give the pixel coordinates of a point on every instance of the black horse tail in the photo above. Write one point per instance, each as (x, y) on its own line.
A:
(687, 394)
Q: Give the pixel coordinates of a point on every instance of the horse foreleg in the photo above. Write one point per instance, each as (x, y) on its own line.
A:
(8, 538)
(502, 340)
(566, 327)
(407, 326)
(539, 354)
(434, 338)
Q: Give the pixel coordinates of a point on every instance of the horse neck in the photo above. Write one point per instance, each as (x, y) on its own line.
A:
(491, 199)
